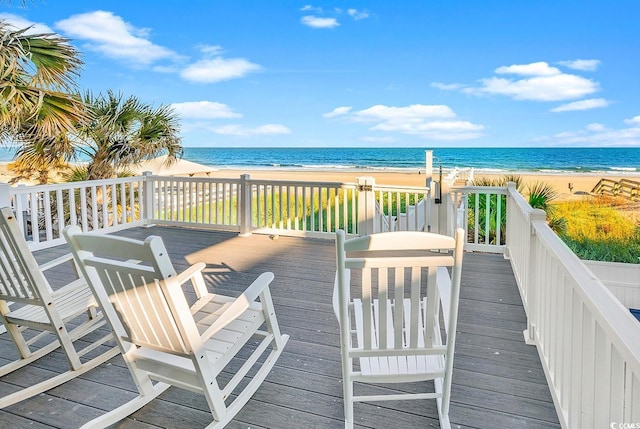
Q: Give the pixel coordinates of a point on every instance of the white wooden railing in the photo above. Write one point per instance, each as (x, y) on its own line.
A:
(302, 208)
(43, 211)
(242, 205)
(587, 340)
(481, 212)
(194, 201)
(623, 280)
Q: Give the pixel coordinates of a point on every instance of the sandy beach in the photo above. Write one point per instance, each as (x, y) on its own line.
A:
(582, 183)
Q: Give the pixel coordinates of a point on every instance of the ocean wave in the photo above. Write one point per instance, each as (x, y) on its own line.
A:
(325, 166)
(623, 168)
(491, 170)
(581, 161)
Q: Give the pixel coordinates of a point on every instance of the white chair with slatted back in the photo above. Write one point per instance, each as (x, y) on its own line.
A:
(391, 290)
(37, 307)
(165, 340)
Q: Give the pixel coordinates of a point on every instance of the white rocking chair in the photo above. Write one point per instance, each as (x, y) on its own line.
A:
(36, 307)
(165, 340)
(390, 291)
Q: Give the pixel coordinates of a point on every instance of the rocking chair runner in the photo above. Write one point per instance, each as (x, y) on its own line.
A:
(391, 290)
(162, 338)
(35, 306)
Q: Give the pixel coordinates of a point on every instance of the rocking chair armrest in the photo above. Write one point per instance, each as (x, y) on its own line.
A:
(239, 305)
(194, 273)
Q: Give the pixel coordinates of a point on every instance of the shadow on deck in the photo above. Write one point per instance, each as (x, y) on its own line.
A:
(498, 381)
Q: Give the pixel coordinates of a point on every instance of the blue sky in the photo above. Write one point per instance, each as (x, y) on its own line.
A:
(437, 73)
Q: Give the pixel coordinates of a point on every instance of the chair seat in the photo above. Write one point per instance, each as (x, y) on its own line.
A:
(422, 367)
(233, 335)
(219, 348)
(71, 300)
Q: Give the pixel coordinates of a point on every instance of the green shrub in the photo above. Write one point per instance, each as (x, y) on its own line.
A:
(627, 251)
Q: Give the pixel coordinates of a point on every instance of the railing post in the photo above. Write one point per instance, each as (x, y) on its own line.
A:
(366, 206)
(534, 280)
(428, 171)
(443, 208)
(509, 241)
(147, 198)
(244, 206)
(5, 201)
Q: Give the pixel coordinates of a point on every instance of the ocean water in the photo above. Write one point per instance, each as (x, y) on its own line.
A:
(499, 160)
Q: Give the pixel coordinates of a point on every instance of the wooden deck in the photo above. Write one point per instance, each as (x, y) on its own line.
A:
(498, 380)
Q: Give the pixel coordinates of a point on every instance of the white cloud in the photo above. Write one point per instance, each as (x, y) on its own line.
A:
(318, 22)
(412, 113)
(438, 130)
(21, 23)
(596, 127)
(308, 7)
(211, 49)
(338, 111)
(204, 110)
(112, 36)
(317, 18)
(597, 135)
(540, 68)
(425, 121)
(447, 86)
(542, 83)
(263, 130)
(203, 115)
(217, 69)
(357, 14)
(583, 65)
(591, 103)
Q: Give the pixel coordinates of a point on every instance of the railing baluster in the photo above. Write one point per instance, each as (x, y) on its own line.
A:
(60, 210)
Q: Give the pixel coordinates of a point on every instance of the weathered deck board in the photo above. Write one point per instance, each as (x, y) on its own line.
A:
(498, 380)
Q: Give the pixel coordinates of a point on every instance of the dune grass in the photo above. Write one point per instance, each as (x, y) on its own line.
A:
(598, 229)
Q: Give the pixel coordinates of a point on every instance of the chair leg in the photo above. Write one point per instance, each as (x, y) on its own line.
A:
(348, 403)
(443, 404)
(213, 395)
